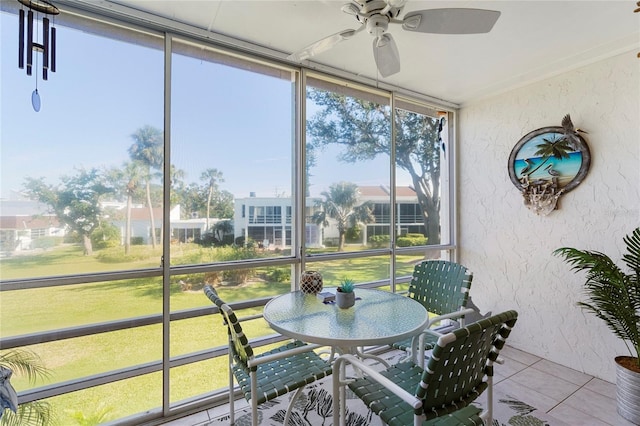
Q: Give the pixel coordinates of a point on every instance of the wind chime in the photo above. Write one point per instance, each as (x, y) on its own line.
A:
(47, 47)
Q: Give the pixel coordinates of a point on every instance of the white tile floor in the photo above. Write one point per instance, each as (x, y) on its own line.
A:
(567, 396)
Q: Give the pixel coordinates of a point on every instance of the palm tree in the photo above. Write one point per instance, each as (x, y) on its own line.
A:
(127, 181)
(221, 229)
(212, 176)
(148, 149)
(340, 204)
(132, 173)
(558, 148)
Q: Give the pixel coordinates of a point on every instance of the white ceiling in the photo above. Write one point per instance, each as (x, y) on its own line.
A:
(532, 40)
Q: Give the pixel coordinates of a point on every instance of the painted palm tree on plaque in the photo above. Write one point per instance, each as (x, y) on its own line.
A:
(547, 163)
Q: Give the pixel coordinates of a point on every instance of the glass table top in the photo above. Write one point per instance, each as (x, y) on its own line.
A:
(378, 317)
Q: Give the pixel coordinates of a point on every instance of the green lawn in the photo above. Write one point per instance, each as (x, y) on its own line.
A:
(30, 311)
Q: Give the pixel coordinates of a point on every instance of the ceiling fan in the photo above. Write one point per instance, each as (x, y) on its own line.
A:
(376, 15)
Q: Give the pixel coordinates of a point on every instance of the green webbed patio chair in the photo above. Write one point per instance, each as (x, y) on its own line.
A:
(270, 374)
(442, 287)
(441, 394)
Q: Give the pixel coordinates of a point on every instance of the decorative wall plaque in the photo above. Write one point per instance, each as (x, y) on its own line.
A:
(547, 163)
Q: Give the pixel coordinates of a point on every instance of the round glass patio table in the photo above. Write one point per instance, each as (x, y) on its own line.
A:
(378, 317)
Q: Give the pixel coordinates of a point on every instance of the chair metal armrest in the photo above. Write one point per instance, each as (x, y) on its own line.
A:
(279, 355)
(450, 315)
(407, 397)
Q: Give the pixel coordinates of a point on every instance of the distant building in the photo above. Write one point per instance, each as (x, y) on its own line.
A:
(267, 220)
(23, 223)
(408, 211)
(182, 230)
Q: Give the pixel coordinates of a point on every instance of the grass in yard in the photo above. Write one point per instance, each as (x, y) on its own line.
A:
(52, 308)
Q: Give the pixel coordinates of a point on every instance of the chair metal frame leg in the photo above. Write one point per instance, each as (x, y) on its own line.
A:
(231, 402)
(290, 407)
(339, 403)
(254, 399)
(487, 414)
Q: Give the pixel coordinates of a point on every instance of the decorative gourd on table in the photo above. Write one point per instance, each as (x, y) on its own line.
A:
(311, 282)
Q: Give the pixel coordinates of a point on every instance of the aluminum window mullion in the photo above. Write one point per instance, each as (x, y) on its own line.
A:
(166, 242)
(393, 190)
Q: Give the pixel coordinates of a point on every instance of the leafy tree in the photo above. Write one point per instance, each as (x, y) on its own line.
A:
(177, 185)
(363, 128)
(341, 204)
(191, 198)
(76, 202)
(148, 149)
(222, 205)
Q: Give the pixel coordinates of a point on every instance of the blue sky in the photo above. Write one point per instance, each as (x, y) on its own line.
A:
(104, 90)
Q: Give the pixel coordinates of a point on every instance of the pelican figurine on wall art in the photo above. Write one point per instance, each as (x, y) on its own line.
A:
(526, 168)
(570, 132)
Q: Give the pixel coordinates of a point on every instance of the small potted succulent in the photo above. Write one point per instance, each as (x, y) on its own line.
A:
(345, 296)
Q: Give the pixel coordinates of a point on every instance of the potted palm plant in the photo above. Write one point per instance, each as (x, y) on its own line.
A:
(345, 296)
(613, 295)
(36, 413)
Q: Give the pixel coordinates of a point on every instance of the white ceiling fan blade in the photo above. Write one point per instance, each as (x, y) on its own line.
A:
(451, 21)
(323, 45)
(386, 55)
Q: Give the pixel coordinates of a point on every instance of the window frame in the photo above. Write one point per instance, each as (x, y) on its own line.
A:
(298, 260)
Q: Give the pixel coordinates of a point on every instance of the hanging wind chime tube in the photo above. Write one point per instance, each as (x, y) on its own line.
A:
(48, 45)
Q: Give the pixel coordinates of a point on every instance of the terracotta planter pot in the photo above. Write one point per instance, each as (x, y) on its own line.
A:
(627, 391)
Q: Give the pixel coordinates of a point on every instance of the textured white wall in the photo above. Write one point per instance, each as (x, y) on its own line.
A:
(509, 248)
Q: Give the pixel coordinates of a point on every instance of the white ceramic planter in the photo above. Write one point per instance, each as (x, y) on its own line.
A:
(628, 393)
(345, 300)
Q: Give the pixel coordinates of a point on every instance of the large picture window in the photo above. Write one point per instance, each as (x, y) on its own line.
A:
(348, 150)
(135, 186)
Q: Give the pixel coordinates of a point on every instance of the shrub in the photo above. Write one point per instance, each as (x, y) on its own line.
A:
(137, 241)
(353, 235)
(72, 238)
(279, 274)
(330, 242)
(410, 240)
(377, 241)
(105, 236)
(207, 240)
(116, 254)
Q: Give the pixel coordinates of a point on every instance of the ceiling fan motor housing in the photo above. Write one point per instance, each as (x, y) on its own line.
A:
(377, 25)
